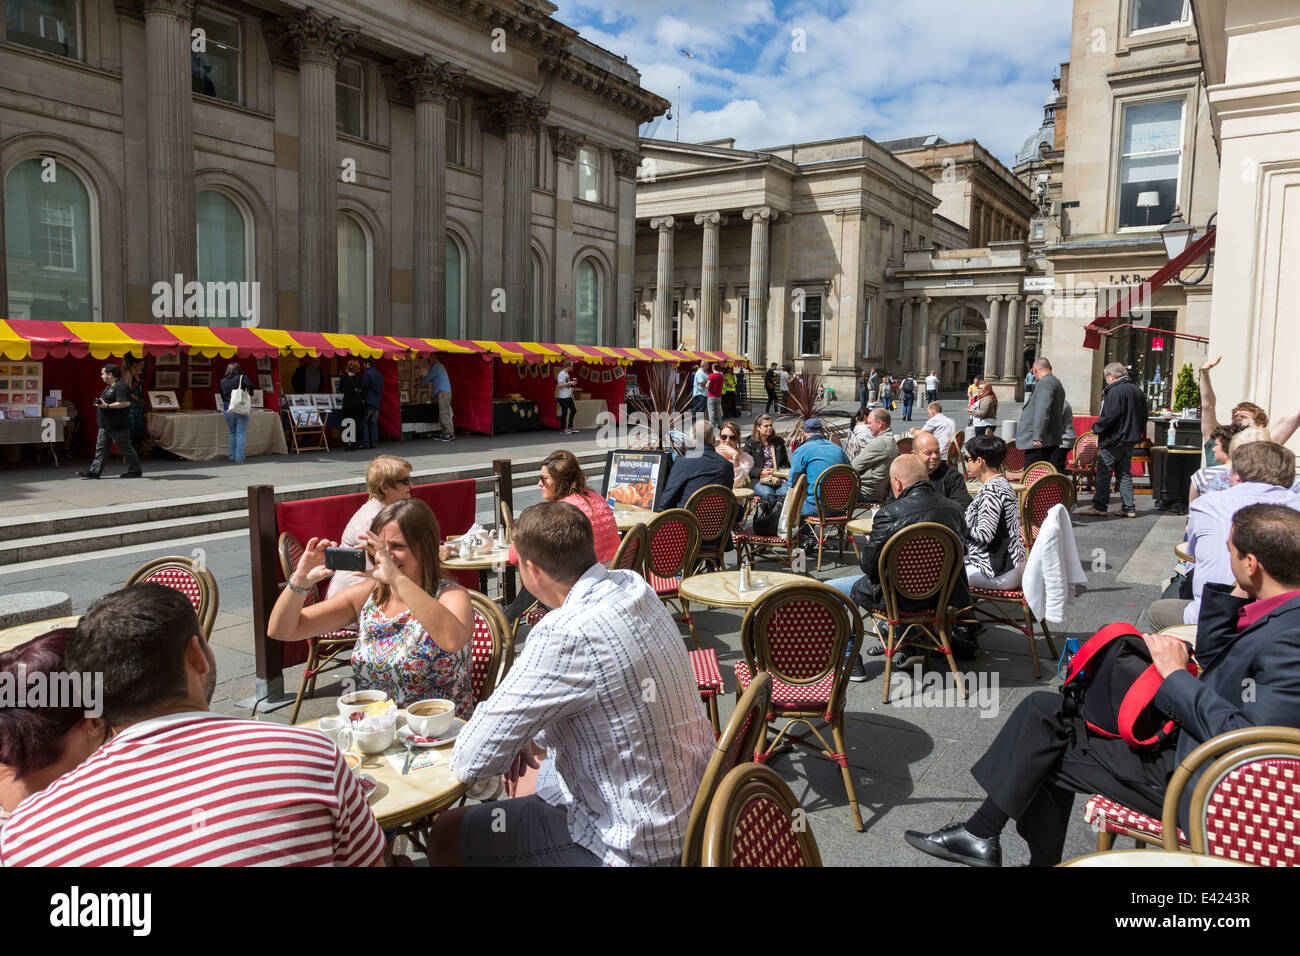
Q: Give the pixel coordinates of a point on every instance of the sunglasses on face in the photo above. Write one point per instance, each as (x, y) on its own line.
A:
(408, 481)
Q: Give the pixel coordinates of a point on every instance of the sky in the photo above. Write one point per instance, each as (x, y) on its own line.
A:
(772, 72)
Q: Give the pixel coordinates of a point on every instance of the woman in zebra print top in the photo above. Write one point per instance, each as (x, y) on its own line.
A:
(995, 548)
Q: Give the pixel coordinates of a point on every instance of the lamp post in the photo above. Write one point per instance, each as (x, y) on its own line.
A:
(1177, 235)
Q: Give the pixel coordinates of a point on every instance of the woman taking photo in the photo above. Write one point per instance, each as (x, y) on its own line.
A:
(729, 448)
(388, 479)
(238, 424)
(767, 448)
(995, 549)
(350, 389)
(984, 411)
(413, 626)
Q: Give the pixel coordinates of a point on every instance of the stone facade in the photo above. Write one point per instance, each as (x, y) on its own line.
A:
(467, 123)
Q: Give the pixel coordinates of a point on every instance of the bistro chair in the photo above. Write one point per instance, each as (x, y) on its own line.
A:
(744, 736)
(714, 507)
(1083, 468)
(836, 494)
(806, 636)
(904, 445)
(325, 652)
(631, 553)
(778, 547)
(755, 820)
(1040, 496)
(1013, 467)
(920, 564)
(672, 540)
(507, 521)
(954, 458)
(1037, 470)
(190, 577)
(492, 646)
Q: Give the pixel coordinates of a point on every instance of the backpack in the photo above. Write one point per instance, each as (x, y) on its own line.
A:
(1112, 683)
(909, 385)
(767, 513)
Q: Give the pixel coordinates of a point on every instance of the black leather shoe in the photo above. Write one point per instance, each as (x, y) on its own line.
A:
(131, 474)
(87, 474)
(954, 842)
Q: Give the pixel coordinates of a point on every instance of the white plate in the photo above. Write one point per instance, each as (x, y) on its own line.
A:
(404, 732)
(369, 786)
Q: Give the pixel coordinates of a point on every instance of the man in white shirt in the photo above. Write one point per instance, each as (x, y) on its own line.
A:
(605, 687)
(939, 425)
(564, 398)
(784, 375)
(932, 387)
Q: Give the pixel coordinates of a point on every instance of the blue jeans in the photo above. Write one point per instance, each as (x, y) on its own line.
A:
(763, 491)
(370, 426)
(1110, 461)
(909, 398)
(238, 426)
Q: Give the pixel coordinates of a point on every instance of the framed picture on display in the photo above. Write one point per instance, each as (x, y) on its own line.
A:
(168, 360)
(299, 401)
(306, 417)
(334, 384)
(264, 364)
(322, 401)
(406, 397)
(264, 382)
(259, 398)
(167, 380)
(164, 401)
(200, 378)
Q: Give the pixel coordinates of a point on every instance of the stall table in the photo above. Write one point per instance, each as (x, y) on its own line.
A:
(203, 436)
(588, 409)
(31, 431)
(515, 415)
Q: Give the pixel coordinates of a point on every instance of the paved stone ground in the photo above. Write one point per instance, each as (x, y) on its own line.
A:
(910, 764)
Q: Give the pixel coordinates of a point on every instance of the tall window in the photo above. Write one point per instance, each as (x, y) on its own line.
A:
(349, 86)
(354, 276)
(49, 25)
(222, 249)
(744, 325)
(1151, 150)
(810, 326)
(215, 70)
(455, 135)
(676, 338)
(48, 244)
(586, 312)
(589, 174)
(455, 291)
(1155, 14)
(900, 332)
(534, 299)
(866, 328)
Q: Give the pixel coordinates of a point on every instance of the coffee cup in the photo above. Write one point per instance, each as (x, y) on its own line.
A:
(376, 742)
(358, 701)
(354, 763)
(431, 718)
(337, 729)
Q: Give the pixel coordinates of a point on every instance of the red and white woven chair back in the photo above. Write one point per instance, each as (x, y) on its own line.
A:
(1252, 812)
(801, 638)
(1037, 470)
(178, 579)
(753, 821)
(837, 491)
(920, 564)
(1015, 461)
(713, 509)
(1085, 451)
(290, 555)
(1041, 497)
(483, 650)
(491, 646)
(631, 551)
(905, 446)
(764, 836)
(669, 542)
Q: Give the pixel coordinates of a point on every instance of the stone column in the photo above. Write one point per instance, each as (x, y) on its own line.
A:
(430, 85)
(170, 147)
(1015, 341)
(759, 217)
(662, 327)
(905, 338)
(993, 339)
(317, 44)
(710, 320)
(564, 148)
(516, 115)
(922, 338)
(626, 164)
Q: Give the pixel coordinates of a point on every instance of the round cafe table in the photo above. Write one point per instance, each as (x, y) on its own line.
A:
(1185, 632)
(722, 588)
(860, 525)
(12, 637)
(405, 799)
(1141, 857)
(628, 517)
(495, 561)
(743, 494)
(1181, 552)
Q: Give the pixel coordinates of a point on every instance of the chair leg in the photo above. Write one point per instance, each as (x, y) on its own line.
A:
(821, 546)
(889, 662)
(1033, 643)
(837, 732)
(686, 616)
(1105, 841)
(711, 701)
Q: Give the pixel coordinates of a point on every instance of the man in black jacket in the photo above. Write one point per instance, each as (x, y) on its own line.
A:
(1122, 422)
(700, 466)
(1248, 648)
(943, 479)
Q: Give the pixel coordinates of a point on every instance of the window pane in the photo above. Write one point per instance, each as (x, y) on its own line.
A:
(455, 281)
(587, 308)
(589, 174)
(1152, 144)
(810, 328)
(215, 71)
(49, 25)
(453, 128)
(534, 300)
(47, 245)
(348, 87)
(221, 253)
(866, 330)
(744, 325)
(354, 277)
(1148, 14)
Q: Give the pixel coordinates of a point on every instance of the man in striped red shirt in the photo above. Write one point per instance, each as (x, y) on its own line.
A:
(177, 785)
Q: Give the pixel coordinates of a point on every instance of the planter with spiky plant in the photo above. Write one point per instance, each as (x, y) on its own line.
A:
(808, 400)
(663, 403)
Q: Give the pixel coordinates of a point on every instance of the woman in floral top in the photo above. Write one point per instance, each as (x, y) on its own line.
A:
(995, 548)
(414, 628)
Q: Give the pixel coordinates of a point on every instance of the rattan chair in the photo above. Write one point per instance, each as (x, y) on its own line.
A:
(806, 636)
(1013, 467)
(744, 736)
(905, 445)
(492, 646)
(631, 553)
(1037, 470)
(1039, 497)
(779, 547)
(714, 507)
(920, 563)
(672, 540)
(192, 578)
(324, 650)
(954, 458)
(836, 494)
(755, 820)
(508, 521)
(1083, 466)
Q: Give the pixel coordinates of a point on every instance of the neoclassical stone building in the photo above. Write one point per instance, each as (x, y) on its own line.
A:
(457, 167)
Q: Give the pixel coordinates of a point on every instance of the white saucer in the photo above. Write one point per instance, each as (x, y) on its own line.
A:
(369, 786)
(403, 732)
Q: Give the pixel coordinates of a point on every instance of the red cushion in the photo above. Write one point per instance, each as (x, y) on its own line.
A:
(664, 587)
(1113, 817)
(792, 696)
(1012, 595)
(708, 676)
(745, 537)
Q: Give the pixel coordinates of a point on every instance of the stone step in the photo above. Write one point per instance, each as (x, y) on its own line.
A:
(120, 535)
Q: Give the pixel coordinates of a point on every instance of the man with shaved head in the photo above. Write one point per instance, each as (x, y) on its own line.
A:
(946, 481)
(913, 500)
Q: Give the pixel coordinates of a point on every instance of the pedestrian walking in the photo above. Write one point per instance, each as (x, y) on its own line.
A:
(873, 386)
(354, 409)
(1042, 420)
(931, 387)
(114, 405)
(908, 388)
(372, 394)
(771, 382)
(564, 397)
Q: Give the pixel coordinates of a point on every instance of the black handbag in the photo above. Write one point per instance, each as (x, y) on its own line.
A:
(767, 515)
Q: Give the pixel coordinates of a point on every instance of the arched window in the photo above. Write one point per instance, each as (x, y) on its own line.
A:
(50, 248)
(223, 251)
(586, 312)
(455, 325)
(354, 277)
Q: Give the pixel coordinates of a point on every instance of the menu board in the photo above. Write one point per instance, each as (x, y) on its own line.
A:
(20, 389)
(635, 477)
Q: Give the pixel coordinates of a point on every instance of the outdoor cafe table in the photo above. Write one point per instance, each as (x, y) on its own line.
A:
(1143, 858)
(494, 560)
(860, 525)
(1017, 486)
(628, 517)
(1180, 550)
(1184, 632)
(405, 799)
(12, 637)
(722, 588)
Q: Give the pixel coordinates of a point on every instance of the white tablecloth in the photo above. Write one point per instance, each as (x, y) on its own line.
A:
(586, 411)
(23, 431)
(203, 436)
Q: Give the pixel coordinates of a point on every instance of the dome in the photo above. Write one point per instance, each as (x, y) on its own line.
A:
(1029, 151)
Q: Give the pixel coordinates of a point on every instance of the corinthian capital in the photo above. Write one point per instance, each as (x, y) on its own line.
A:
(308, 37)
(426, 80)
(565, 142)
(626, 163)
(514, 112)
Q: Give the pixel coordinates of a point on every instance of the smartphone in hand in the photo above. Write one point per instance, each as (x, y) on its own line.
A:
(345, 559)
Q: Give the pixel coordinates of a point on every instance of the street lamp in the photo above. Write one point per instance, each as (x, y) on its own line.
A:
(1177, 235)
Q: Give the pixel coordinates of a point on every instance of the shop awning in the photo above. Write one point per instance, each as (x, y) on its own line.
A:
(1141, 296)
(514, 352)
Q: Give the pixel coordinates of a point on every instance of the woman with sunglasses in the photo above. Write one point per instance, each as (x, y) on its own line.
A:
(984, 410)
(767, 449)
(388, 479)
(729, 448)
(995, 550)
